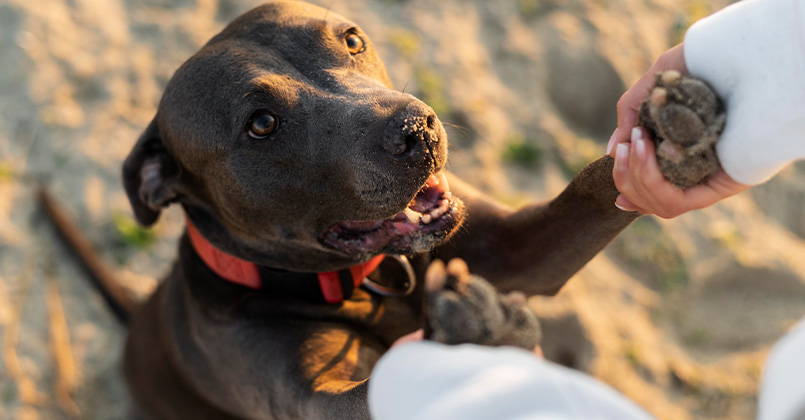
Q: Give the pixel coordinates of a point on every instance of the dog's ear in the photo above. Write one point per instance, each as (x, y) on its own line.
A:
(150, 175)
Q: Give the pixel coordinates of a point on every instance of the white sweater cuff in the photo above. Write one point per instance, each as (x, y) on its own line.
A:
(753, 54)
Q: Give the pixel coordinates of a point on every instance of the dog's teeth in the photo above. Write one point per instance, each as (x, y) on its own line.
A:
(442, 207)
(426, 218)
(440, 210)
(442, 177)
(447, 195)
(411, 215)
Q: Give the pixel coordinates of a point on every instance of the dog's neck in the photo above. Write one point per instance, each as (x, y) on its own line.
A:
(335, 286)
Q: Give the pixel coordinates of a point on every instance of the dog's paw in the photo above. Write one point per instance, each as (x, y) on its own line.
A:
(685, 117)
(464, 308)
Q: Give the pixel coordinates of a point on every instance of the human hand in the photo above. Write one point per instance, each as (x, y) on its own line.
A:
(629, 103)
(644, 188)
(637, 175)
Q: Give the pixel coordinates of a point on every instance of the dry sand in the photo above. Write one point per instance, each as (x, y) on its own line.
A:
(679, 315)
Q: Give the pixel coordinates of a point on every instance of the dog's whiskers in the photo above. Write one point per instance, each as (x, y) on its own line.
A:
(461, 129)
(406, 85)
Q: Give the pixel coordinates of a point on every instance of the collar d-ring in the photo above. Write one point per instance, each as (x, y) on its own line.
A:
(405, 290)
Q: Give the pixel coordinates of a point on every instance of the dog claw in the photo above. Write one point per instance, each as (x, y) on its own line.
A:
(435, 276)
(671, 78)
(659, 96)
(458, 269)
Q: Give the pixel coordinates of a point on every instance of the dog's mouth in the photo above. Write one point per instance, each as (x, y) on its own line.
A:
(428, 220)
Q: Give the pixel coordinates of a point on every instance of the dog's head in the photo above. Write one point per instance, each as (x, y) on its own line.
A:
(286, 145)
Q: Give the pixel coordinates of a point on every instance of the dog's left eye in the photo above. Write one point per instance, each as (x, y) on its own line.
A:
(262, 124)
(355, 43)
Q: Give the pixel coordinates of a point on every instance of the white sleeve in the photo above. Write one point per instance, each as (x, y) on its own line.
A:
(753, 53)
(430, 381)
(782, 395)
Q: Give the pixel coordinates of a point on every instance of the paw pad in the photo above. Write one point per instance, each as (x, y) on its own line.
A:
(685, 117)
(464, 308)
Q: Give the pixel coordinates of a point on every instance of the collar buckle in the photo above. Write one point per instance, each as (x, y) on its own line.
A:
(386, 291)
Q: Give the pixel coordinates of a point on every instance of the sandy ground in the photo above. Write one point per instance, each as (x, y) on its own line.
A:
(679, 315)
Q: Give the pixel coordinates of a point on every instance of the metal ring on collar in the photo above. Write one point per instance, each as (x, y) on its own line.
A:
(406, 290)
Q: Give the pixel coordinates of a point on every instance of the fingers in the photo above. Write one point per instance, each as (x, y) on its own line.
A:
(719, 187)
(637, 176)
(624, 204)
(644, 188)
(624, 180)
(612, 143)
(654, 193)
(620, 172)
(640, 165)
(629, 104)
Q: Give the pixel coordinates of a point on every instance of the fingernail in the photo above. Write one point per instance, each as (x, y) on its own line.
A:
(612, 141)
(622, 157)
(640, 148)
(637, 134)
(623, 204)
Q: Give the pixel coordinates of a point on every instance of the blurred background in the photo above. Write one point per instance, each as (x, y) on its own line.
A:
(677, 314)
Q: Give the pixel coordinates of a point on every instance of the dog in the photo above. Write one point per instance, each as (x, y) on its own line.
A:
(299, 168)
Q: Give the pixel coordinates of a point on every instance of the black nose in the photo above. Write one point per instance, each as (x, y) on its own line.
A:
(412, 132)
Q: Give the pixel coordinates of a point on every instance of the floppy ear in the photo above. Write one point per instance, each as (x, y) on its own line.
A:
(150, 175)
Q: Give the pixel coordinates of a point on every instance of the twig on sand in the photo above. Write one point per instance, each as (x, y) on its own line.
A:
(66, 375)
(118, 296)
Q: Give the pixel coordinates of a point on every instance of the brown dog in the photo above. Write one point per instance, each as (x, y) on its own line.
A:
(292, 155)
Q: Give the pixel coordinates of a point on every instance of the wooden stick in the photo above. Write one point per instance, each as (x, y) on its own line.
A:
(66, 374)
(118, 297)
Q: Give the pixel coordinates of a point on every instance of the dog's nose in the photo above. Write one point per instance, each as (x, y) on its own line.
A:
(413, 131)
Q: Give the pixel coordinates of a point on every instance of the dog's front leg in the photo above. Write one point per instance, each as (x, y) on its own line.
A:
(538, 248)
(347, 404)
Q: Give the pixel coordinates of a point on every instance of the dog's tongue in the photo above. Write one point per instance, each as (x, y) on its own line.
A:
(433, 189)
(428, 206)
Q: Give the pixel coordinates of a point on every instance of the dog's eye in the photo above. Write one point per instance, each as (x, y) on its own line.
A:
(262, 124)
(355, 44)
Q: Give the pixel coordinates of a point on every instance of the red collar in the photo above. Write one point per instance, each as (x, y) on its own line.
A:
(247, 274)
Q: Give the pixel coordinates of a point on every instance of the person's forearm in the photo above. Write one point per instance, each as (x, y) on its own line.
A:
(753, 54)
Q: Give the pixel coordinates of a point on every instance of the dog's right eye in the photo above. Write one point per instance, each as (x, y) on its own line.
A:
(355, 44)
(262, 124)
